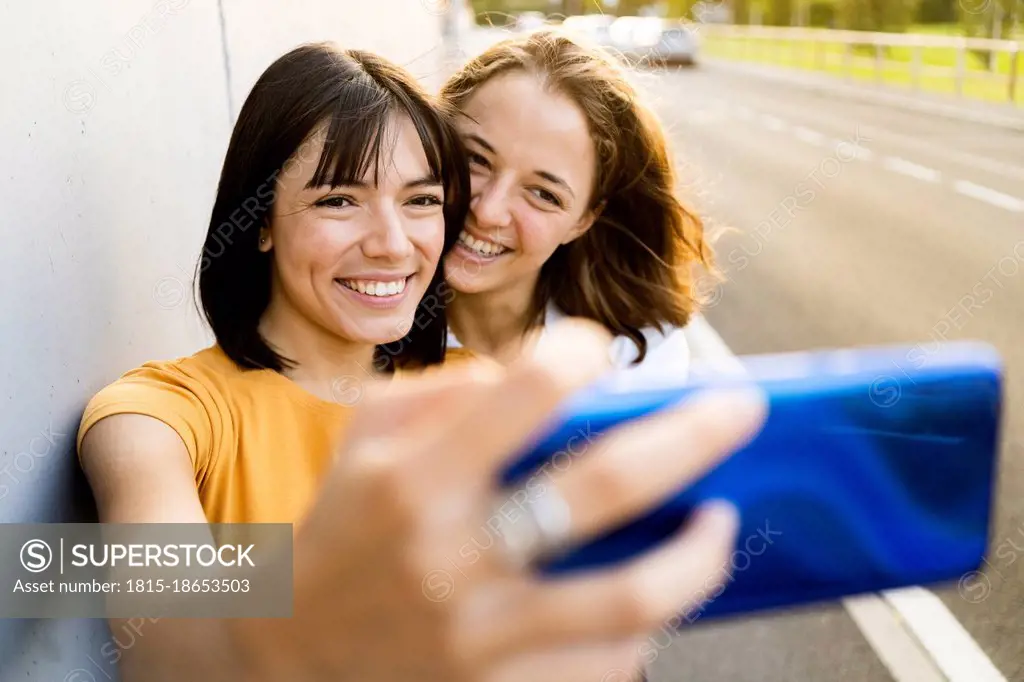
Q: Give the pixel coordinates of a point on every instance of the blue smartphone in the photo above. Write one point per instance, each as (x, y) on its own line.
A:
(874, 470)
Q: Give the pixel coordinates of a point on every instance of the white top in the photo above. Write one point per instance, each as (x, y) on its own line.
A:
(668, 354)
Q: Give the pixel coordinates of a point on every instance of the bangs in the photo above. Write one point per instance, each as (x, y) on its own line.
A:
(361, 134)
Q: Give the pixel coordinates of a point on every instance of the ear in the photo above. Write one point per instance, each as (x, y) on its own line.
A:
(585, 222)
(266, 241)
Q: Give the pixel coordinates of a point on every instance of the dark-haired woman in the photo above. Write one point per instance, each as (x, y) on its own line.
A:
(342, 187)
(574, 208)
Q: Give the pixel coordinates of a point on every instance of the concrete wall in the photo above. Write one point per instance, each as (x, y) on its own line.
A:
(116, 115)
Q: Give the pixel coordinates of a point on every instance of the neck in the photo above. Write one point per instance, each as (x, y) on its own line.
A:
(322, 358)
(497, 324)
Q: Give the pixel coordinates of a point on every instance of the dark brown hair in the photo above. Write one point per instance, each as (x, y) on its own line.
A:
(352, 95)
(634, 267)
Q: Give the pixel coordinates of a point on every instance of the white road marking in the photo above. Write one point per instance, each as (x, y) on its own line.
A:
(846, 148)
(895, 163)
(924, 617)
(900, 652)
(807, 135)
(863, 153)
(929, 147)
(989, 196)
(911, 144)
(951, 646)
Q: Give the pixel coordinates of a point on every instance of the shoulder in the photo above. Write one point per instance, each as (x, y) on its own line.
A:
(668, 352)
(186, 393)
(202, 374)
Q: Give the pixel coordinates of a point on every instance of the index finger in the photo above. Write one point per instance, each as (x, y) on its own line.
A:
(515, 405)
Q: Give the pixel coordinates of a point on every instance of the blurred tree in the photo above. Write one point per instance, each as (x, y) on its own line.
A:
(741, 11)
(628, 8)
(937, 12)
(780, 13)
(510, 6)
(822, 13)
(988, 18)
(757, 10)
(877, 15)
(680, 8)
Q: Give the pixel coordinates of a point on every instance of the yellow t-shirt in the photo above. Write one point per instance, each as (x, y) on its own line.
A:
(259, 443)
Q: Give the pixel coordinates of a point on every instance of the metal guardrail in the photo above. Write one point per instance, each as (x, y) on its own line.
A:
(783, 42)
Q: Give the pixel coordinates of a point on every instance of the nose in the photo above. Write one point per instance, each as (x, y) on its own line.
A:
(490, 204)
(387, 238)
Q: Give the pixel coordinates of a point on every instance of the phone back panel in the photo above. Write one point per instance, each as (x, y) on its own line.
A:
(874, 470)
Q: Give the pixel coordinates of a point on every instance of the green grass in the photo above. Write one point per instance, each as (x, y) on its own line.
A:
(979, 83)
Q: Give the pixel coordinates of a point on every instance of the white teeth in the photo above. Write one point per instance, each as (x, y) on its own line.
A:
(480, 246)
(392, 288)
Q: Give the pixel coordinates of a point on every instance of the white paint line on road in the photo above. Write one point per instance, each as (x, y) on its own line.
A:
(895, 163)
(810, 136)
(950, 645)
(907, 143)
(772, 122)
(929, 147)
(897, 648)
(858, 152)
(923, 616)
(989, 196)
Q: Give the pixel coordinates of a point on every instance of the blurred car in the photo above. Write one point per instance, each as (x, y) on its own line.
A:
(592, 27)
(652, 40)
(530, 21)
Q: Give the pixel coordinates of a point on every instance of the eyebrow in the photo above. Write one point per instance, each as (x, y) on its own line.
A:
(482, 142)
(425, 181)
(550, 177)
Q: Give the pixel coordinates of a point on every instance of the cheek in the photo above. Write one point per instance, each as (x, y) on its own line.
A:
(540, 234)
(311, 246)
(427, 235)
(478, 182)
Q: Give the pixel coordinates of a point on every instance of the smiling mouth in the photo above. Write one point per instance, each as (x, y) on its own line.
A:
(375, 288)
(481, 247)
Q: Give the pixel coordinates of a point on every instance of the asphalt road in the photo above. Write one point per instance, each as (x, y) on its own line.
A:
(844, 223)
(854, 224)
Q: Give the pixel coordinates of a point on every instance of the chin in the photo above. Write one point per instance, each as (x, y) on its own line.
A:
(375, 329)
(466, 284)
(375, 334)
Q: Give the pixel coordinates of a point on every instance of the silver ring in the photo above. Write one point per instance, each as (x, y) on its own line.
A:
(535, 529)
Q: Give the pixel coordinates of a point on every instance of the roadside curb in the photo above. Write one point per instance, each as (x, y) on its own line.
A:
(1010, 120)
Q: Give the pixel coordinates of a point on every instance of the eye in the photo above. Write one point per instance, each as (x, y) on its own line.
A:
(547, 197)
(336, 201)
(477, 160)
(426, 200)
